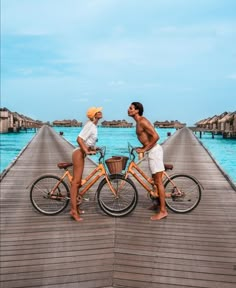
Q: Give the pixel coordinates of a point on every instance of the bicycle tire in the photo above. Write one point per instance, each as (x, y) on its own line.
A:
(127, 196)
(190, 188)
(40, 195)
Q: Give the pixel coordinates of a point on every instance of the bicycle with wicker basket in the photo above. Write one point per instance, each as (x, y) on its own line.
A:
(183, 191)
(116, 196)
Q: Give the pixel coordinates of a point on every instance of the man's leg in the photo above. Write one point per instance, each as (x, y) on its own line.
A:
(161, 190)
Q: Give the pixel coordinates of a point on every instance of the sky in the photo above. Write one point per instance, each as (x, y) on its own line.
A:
(176, 57)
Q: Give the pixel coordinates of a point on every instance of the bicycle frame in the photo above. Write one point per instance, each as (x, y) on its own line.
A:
(94, 176)
(100, 171)
(132, 169)
(144, 180)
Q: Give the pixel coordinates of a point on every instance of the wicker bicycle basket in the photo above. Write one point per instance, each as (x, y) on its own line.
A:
(114, 164)
(124, 161)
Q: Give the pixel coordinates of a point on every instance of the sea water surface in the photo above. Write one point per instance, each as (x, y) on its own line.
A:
(223, 151)
(11, 144)
(116, 141)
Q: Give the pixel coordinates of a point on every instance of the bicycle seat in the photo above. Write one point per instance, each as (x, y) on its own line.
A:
(168, 166)
(64, 165)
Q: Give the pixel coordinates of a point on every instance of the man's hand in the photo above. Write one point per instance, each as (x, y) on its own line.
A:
(140, 150)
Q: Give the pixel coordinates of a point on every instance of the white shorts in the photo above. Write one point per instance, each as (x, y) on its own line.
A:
(155, 159)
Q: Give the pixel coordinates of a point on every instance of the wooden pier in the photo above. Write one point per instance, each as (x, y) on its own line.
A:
(196, 250)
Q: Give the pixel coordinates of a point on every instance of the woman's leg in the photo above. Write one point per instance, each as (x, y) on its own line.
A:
(78, 167)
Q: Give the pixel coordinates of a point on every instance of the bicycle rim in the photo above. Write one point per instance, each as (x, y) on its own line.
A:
(126, 200)
(43, 201)
(190, 190)
(118, 213)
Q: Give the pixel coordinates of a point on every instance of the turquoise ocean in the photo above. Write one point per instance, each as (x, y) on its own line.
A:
(116, 142)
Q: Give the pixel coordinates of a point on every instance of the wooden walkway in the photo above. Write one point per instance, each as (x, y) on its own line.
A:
(189, 250)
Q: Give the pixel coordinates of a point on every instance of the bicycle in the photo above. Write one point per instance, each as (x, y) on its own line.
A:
(183, 191)
(50, 194)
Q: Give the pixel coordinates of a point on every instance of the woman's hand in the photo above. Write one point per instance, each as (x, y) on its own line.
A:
(91, 152)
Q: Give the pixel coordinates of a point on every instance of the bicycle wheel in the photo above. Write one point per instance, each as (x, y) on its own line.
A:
(124, 202)
(43, 200)
(183, 193)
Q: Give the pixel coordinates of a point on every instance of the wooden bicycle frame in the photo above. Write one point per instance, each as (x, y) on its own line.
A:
(99, 170)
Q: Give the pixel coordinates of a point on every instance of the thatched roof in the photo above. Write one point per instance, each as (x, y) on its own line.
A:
(228, 117)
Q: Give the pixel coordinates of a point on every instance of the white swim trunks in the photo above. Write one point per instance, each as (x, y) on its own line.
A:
(155, 159)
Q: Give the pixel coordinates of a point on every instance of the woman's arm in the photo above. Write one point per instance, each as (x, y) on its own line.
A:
(84, 147)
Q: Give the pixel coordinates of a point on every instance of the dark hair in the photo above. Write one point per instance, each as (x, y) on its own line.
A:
(138, 106)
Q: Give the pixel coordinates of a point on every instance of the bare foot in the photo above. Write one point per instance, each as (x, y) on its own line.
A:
(159, 216)
(76, 216)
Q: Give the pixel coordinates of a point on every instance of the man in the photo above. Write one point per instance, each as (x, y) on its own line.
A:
(148, 137)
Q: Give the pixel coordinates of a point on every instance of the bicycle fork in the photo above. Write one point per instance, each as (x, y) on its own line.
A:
(113, 190)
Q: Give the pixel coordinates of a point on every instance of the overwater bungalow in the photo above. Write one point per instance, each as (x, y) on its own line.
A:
(201, 124)
(228, 124)
(224, 124)
(117, 124)
(169, 124)
(67, 123)
(216, 125)
(212, 123)
(14, 122)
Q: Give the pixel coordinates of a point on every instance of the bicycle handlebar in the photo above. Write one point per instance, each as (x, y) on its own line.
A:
(102, 151)
(131, 151)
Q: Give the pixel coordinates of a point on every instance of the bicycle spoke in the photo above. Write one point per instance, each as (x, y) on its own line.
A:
(183, 194)
(46, 202)
(123, 202)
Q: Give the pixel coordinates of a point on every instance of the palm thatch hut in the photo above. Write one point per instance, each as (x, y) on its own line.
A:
(224, 124)
(228, 123)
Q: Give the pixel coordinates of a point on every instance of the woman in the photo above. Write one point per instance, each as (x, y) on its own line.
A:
(87, 139)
